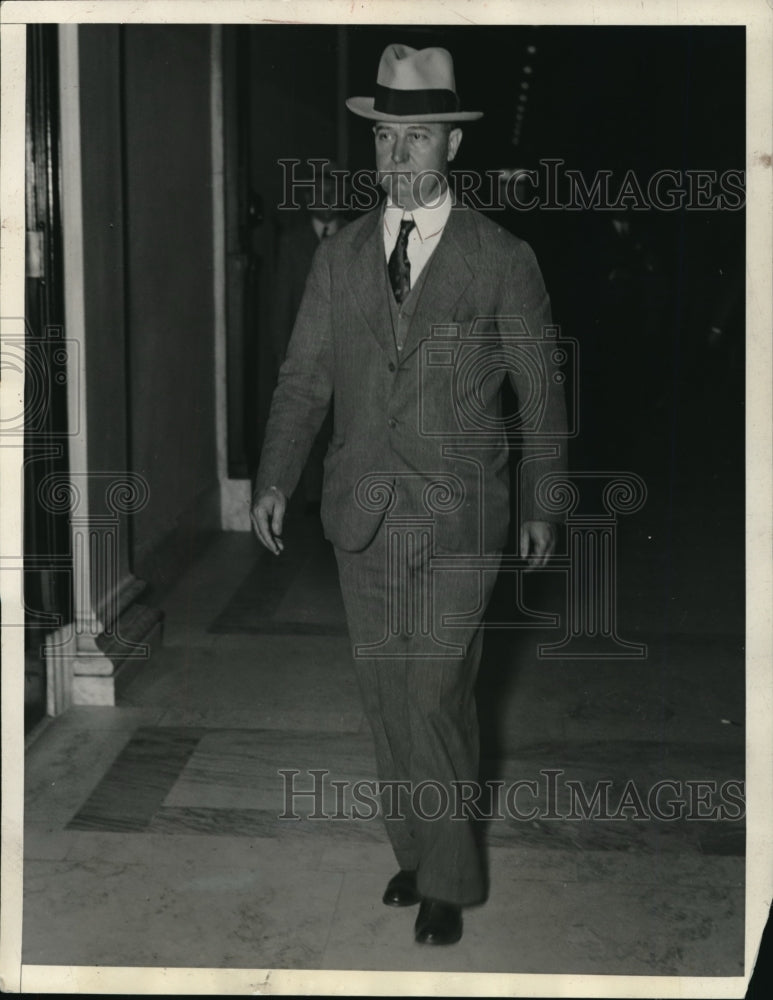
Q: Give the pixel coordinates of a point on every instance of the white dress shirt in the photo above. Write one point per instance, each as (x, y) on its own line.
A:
(424, 237)
(326, 228)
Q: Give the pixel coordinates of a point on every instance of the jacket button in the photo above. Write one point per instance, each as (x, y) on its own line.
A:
(391, 366)
(392, 423)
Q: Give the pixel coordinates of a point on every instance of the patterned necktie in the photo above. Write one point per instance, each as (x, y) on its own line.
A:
(399, 266)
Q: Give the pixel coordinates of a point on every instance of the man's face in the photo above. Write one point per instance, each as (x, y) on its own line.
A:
(412, 160)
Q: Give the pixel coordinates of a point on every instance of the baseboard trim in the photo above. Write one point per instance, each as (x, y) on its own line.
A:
(235, 495)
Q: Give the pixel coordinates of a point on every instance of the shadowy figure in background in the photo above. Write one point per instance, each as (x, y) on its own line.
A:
(618, 310)
(321, 217)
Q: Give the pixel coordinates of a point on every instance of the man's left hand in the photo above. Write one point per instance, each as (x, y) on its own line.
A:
(538, 539)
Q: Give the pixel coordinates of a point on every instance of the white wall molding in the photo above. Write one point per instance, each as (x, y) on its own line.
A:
(84, 658)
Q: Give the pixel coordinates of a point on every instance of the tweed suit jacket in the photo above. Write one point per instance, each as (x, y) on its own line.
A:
(429, 413)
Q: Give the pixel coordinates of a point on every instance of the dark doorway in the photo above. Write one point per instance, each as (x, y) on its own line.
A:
(47, 591)
(279, 103)
(243, 213)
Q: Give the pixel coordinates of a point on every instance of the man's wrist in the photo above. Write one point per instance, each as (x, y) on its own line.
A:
(262, 491)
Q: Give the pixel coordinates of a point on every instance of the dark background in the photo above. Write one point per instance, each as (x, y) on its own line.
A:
(660, 394)
(599, 98)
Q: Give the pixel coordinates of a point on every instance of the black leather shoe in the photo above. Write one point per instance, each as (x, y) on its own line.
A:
(438, 923)
(401, 890)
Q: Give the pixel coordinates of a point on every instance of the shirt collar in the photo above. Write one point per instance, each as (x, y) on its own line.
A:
(430, 219)
(319, 226)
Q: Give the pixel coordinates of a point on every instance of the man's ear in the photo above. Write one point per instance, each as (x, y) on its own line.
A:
(454, 139)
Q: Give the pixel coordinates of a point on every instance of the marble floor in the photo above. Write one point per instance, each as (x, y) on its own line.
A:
(153, 835)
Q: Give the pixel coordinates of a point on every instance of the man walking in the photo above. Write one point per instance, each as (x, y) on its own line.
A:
(377, 293)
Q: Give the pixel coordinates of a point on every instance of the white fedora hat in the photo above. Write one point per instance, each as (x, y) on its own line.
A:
(415, 85)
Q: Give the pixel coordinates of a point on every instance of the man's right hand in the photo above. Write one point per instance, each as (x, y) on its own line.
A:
(267, 514)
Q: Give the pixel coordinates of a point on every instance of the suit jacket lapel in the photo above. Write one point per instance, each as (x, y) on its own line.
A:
(366, 280)
(450, 272)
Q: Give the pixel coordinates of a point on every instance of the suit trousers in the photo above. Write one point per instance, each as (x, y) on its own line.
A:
(417, 678)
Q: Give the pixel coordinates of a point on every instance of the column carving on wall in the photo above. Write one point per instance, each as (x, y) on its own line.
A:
(89, 658)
